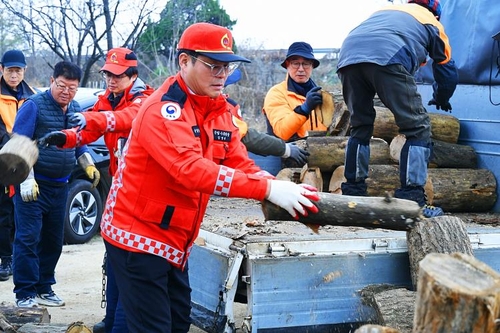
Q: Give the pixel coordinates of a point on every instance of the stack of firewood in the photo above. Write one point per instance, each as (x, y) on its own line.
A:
(455, 183)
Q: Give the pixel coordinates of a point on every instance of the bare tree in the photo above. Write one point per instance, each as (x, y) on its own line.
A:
(80, 31)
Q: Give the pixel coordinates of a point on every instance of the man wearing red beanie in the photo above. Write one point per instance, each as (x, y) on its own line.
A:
(183, 148)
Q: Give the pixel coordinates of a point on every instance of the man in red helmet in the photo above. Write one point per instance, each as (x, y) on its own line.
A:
(380, 56)
(183, 148)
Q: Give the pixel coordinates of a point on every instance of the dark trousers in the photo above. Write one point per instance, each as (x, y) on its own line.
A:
(115, 321)
(156, 296)
(396, 88)
(6, 223)
(38, 240)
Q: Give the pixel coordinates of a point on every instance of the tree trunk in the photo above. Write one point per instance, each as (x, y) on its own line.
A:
(456, 293)
(443, 127)
(454, 190)
(442, 234)
(328, 152)
(444, 154)
(371, 212)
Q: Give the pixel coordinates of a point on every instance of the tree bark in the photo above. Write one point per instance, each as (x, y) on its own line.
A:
(444, 154)
(342, 210)
(443, 127)
(328, 152)
(454, 190)
(442, 234)
(456, 293)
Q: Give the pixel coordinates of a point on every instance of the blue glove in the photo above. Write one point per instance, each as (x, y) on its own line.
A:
(56, 138)
(313, 99)
(298, 154)
(77, 120)
(440, 105)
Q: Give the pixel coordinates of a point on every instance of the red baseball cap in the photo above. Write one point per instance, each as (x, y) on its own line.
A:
(118, 60)
(210, 40)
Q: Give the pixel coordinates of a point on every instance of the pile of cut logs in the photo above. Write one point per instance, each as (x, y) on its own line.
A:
(455, 183)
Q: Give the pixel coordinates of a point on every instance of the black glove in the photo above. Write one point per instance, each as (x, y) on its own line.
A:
(298, 154)
(440, 105)
(313, 99)
(56, 138)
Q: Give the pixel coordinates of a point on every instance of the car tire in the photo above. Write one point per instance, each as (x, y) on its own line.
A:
(83, 212)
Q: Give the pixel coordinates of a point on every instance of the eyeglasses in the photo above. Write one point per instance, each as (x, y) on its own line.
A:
(109, 76)
(218, 69)
(296, 64)
(62, 87)
(13, 70)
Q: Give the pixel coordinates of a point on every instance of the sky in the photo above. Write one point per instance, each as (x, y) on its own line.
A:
(275, 24)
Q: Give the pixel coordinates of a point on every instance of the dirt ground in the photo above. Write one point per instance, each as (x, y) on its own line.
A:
(79, 276)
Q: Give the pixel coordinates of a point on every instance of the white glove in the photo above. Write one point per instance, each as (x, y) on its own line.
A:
(294, 198)
(29, 188)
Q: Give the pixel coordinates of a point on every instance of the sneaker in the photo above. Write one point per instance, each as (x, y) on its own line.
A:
(432, 211)
(50, 299)
(27, 302)
(5, 268)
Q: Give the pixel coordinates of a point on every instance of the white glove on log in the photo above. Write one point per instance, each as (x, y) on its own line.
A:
(294, 198)
(29, 188)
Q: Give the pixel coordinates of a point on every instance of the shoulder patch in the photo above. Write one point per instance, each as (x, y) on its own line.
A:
(171, 111)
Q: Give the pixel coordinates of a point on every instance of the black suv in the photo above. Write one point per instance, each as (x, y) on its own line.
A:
(84, 206)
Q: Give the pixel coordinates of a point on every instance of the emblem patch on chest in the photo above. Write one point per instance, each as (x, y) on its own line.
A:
(220, 135)
(171, 111)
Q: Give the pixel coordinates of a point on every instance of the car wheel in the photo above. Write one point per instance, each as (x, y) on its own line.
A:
(83, 212)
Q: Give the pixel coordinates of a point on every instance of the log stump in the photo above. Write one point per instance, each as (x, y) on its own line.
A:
(328, 152)
(442, 234)
(444, 154)
(456, 293)
(343, 210)
(444, 127)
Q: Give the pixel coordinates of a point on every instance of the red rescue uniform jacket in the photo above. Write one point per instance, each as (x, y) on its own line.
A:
(182, 149)
(114, 122)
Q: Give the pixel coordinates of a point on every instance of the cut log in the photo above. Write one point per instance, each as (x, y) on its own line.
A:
(382, 179)
(326, 110)
(393, 305)
(343, 210)
(456, 293)
(454, 190)
(17, 157)
(312, 176)
(328, 152)
(370, 328)
(442, 234)
(444, 127)
(19, 316)
(77, 327)
(444, 154)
